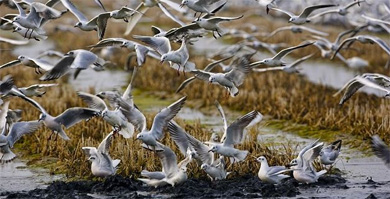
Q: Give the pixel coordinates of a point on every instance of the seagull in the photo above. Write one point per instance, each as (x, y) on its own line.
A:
(276, 60)
(98, 23)
(341, 10)
(303, 17)
(230, 80)
(102, 164)
(115, 118)
(187, 144)
(373, 80)
(124, 13)
(16, 131)
(208, 68)
(163, 47)
(141, 50)
(68, 118)
(37, 90)
(37, 64)
(296, 29)
(172, 173)
(6, 85)
(272, 48)
(234, 134)
(329, 153)
(34, 35)
(143, 7)
(212, 23)
(76, 59)
(381, 149)
(273, 174)
(365, 39)
(289, 68)
(151, 137)
(303, 170)
(198, 5)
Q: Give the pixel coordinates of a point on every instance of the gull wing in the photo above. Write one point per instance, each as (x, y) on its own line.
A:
(314, 31)
(278, 30)
(220, 110)
(178, 135)
(351, 87)
(170, 15)
(235, 132)
(75, 115)
(72, 8)
(104, 146)
(109, 42)
(93, 101)
(260, 70)
(381, 149)
(141, 9)
(168, 161)
(220, 19)
(164, 116)
(298, 61)
(19, 129)
(286, 51)
(284, 11)
(203, 75)
(60, 69)
(83, 59)
(89, 151)
(14, 42)
(201, 150)
(11, 63)
(241, 67)
(159, 44)
(184, 84)
(308, 10)
(349, 40)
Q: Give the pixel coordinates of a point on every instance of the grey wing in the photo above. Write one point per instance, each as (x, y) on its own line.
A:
(3, 114)
(19, 129)
(105, 161)
(203, 75)
(170, 15)
(93, 101)
(274, 170)
(376, 20)
(45, 11)
(220, 19)
(183, 52)
(278, 30)
(220, 110)
(349, 40)
(127, 95)
(312, 30)
(312, 153)
(60, 69)
(7, 85)
(284, 11)
(164, 116)
(101, 24)
(178, 135)
(83, 59)
(42, 64)
(177, 32)
(153, 175)
(75, 115)
(109, 42)
(20, 9)
(89, 151)
(235, 132)
(381, 149)
(184, 84)
(33, 102)
(38, 86)
(323, 13)
(201, 150)
(174, 5)
(72, 8)
(104, 146)
(308, 10)
(351, 89)
(241, 67)
(141, 51)
(141, 9)
(135, 117)
(160, 44)
(14, 42)
(286, 51)
(212, 65)
(11, 63)
(371, 84)
(100, 5)
(381, 43)
(168, 161)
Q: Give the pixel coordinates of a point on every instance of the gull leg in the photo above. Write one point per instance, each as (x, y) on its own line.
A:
(184, 71)
(195, 14)
(25, 34)
(219, 33)
(178, 70)
(49, 138)
(214, 35)
(36, 70)
(29, 37)
(126, 20)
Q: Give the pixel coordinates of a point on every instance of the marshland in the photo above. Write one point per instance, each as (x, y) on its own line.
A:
(297, 110)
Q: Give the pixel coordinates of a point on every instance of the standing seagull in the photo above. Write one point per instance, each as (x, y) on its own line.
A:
(173, 173)
(272, 175)
(16, 131)
(303, 17)
(276, 60)
(329, 153)
(381, 149)
(102, 164)
(151, 137)
(98, 23)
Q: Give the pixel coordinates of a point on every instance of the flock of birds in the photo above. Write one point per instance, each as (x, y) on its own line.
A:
(124, 116)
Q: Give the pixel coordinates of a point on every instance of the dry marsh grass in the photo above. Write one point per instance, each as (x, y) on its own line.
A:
(282, 96)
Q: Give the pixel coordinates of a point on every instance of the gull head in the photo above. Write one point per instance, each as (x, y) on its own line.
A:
(293, 162)
(16, 19)
(21, 58)
(292, 19)
(214, 148)
(261, 159)
(92, 158)
(78, 24)
(42, 117)
(70, 53)
(215, 137)
(212, 79)
(183, 3)
(114, 13)
(163, 58)
(140, 136)
(17, 29)
(204, 166)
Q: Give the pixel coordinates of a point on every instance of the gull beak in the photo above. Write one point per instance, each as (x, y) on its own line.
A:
(162, 61)
(181, 5)
(209, 151)
(14, 30)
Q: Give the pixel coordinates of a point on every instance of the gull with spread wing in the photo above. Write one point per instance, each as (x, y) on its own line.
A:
(230, 80)
(212, 23)
(151, 137)
(329, 154)
(296, 29)
(37, 64)
(289, 68)
(16, 131)
(276, 60)
(304, 16)
(341, 10)
(102, 164)
(381, 149)
(373, 80)
(199, 5)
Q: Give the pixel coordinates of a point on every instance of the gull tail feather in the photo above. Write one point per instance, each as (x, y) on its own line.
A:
(8, 156)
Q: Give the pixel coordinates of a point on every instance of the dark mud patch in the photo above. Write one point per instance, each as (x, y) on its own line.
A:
(120, 187)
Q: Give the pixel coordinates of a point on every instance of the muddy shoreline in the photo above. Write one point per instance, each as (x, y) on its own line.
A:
(120, 187)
